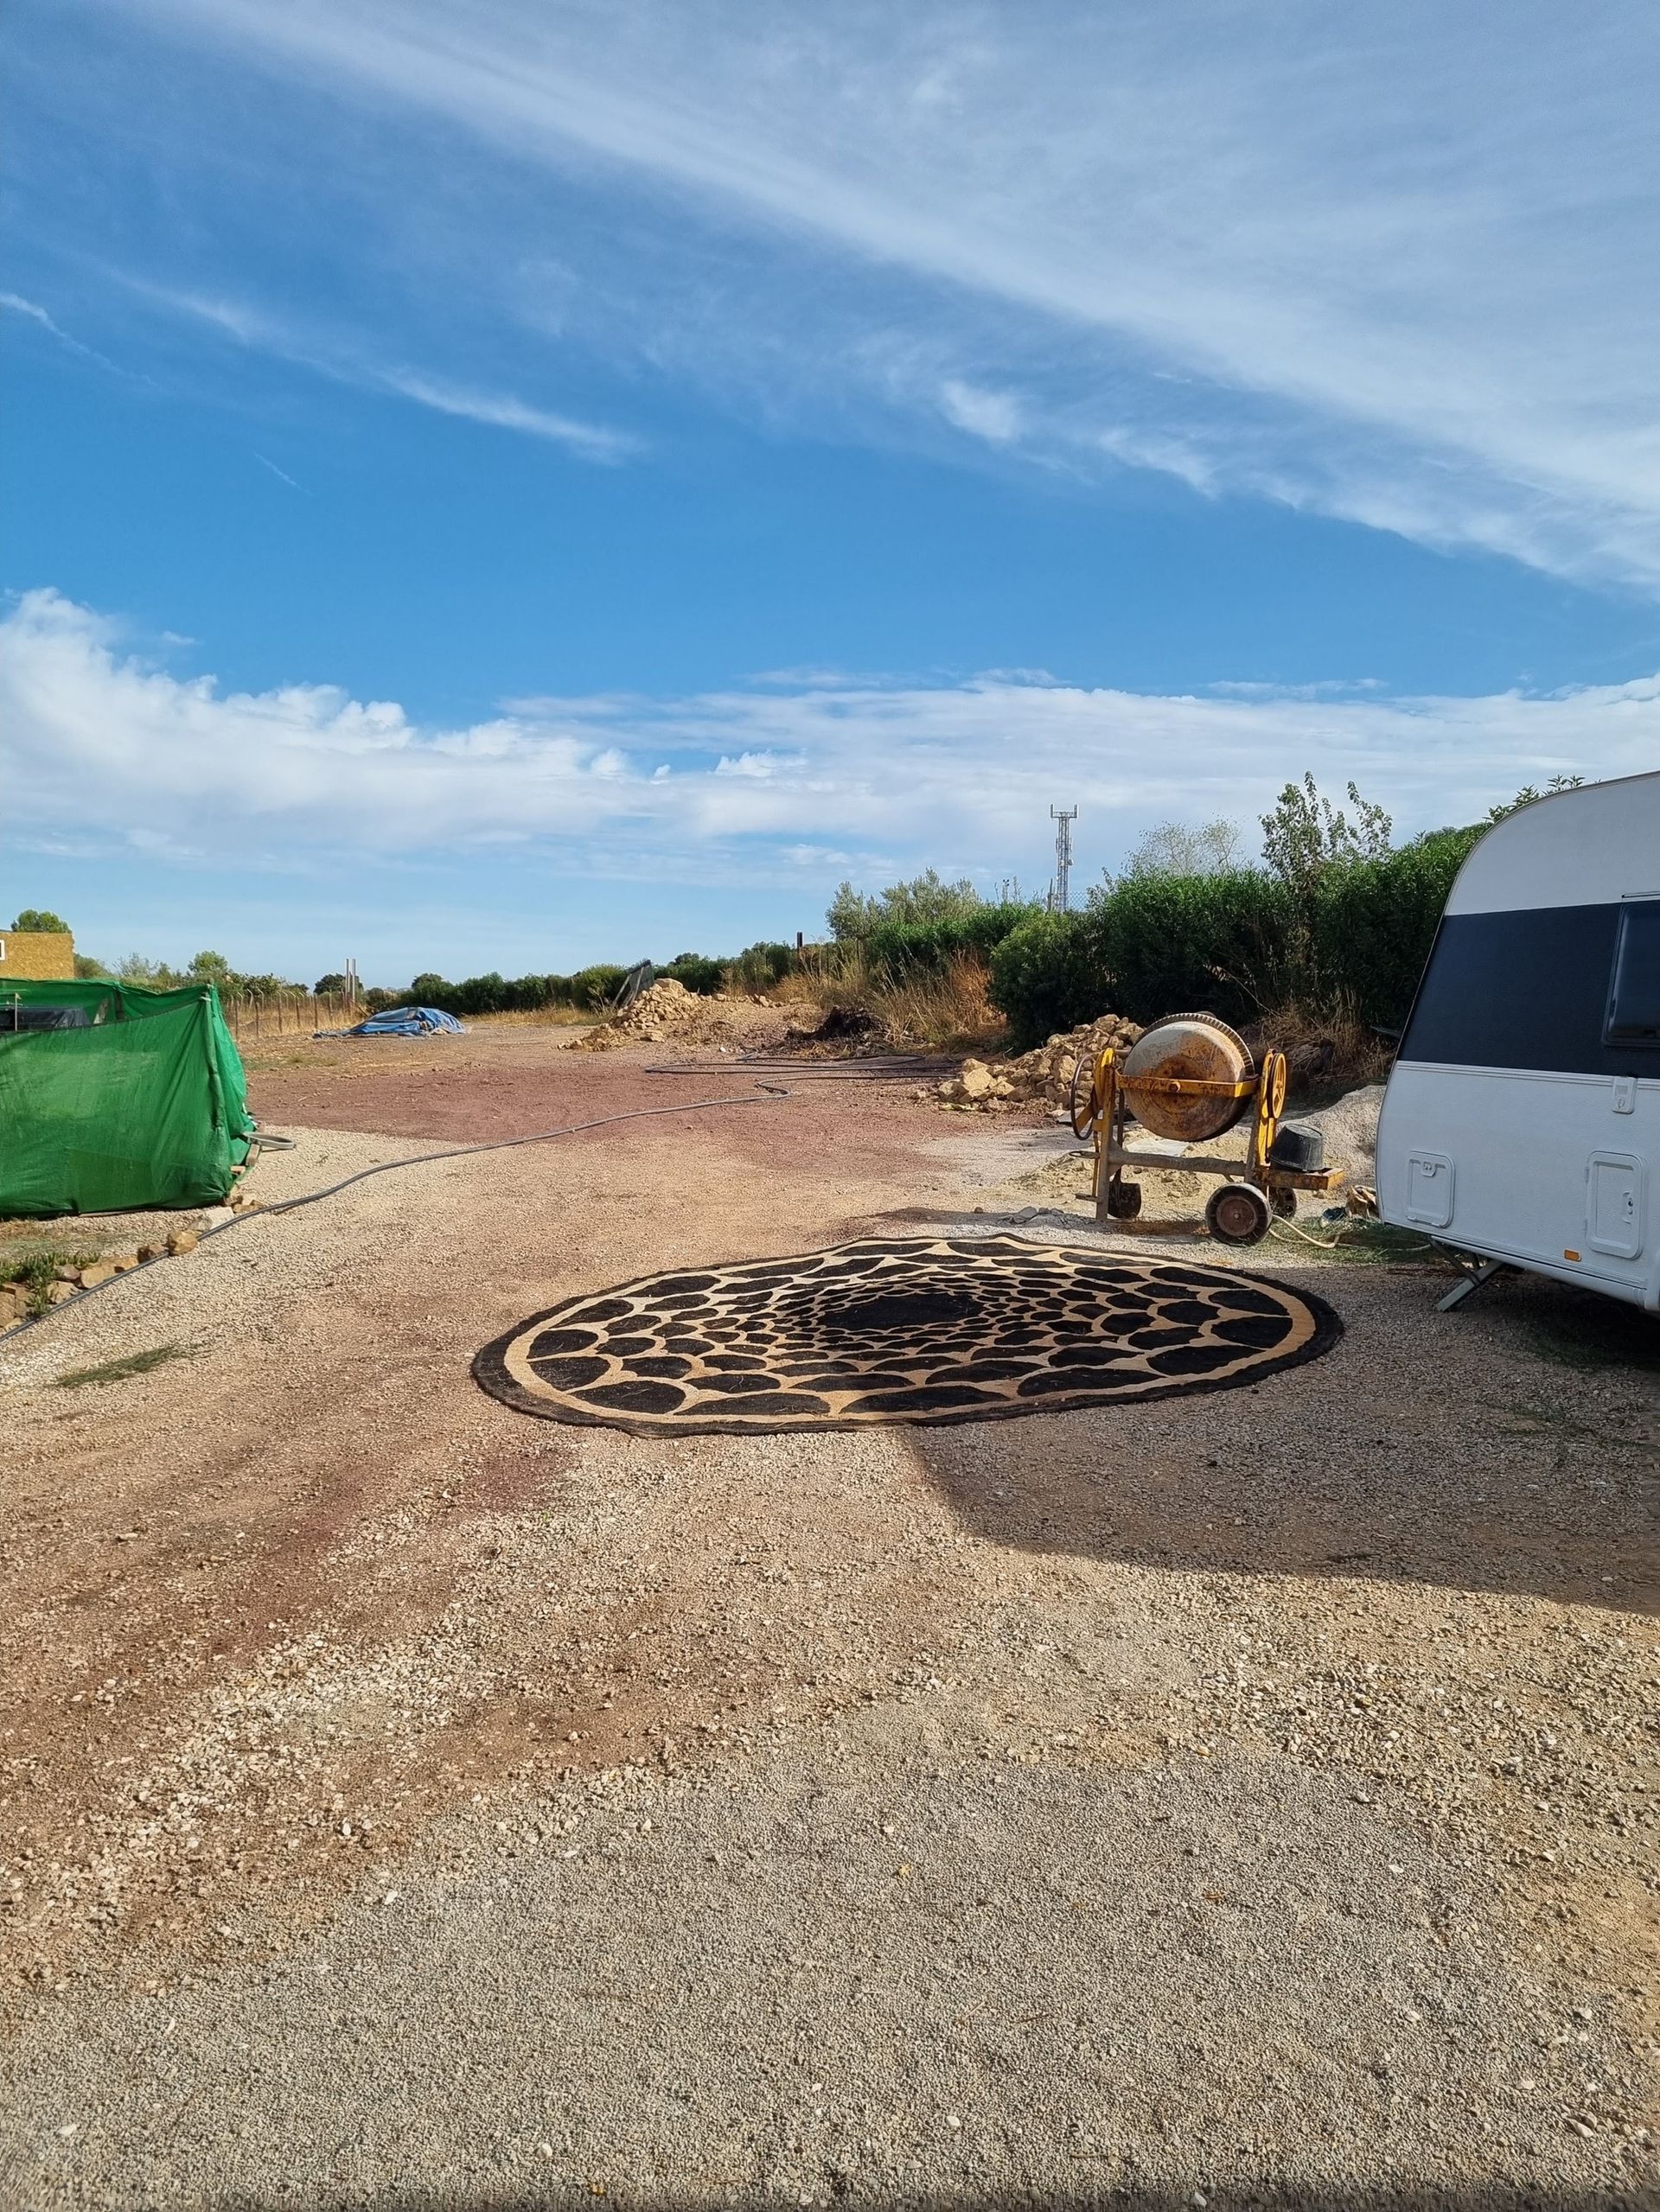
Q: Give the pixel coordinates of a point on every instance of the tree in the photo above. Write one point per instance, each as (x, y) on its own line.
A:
(326, 984)
(37, 917)
(1525, 797)
(924, 898)
(150, 975)
(86, 967)
(1175, 849)
(1306, 834)
(210, 967)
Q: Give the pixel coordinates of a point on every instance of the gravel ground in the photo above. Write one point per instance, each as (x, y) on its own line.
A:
(891, 1969)
(1268, 1773)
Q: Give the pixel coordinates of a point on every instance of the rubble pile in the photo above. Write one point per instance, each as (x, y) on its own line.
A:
(667, 1013)
(1040, 1078)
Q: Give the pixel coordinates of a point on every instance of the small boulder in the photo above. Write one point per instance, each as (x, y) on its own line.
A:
(57, 1292)
(182, 1240)
(100, 1271)
(149, 1251)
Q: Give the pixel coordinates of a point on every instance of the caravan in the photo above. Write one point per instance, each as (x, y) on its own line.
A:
(1522, 1122)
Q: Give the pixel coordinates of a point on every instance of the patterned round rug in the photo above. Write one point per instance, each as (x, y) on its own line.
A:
(905, 1330)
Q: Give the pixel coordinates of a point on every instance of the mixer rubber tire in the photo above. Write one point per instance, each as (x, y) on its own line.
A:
(1238, 1214)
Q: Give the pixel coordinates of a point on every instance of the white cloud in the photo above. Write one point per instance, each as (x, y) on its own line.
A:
(1379, 267)
(14, 303)
(106, 745)
(506, 414)
(994, 416)
(332, 358)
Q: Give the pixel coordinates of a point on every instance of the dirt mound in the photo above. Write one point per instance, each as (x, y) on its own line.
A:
(667, 1013)
(1039, 1078)
(1350, 1129)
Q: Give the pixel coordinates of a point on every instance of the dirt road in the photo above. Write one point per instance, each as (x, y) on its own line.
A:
(1245, 1797)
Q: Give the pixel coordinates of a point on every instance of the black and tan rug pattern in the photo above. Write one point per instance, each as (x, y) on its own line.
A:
(928, 1329)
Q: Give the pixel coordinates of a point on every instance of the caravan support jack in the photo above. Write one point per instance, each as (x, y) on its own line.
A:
(1476, 1272)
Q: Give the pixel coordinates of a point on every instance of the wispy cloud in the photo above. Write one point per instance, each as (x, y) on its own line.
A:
(106, 743)
(994, 416)
(1382, 274)
(332, 357)
(277, 472)
(593, 443)
(14, 304)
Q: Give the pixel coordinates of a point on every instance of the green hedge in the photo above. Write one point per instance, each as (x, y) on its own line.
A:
(694, 973)
(1373, 923)
(588, 989)
(903, 948)
(1236, 944)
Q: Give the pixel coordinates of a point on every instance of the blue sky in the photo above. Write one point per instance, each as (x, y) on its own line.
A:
(494, 485)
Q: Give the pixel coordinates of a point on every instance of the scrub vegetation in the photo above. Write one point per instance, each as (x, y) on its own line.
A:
(120, 1370)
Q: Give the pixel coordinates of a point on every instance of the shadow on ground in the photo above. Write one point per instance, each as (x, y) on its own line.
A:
(1510, 1447)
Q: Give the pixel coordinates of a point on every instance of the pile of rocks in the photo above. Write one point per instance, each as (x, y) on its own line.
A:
(1039, 1078)
(666, 1014)
(20, 1296)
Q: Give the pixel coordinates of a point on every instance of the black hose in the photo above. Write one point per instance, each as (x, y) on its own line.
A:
(385, 1167)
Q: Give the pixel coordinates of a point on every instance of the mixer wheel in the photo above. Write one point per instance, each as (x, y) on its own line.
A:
(1285, 1204)
(1238, 1214)
(1123, 1199)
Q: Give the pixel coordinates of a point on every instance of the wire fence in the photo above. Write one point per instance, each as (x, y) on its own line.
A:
(290, 1013)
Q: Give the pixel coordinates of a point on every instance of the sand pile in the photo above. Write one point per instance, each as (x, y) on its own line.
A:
(1040, 1078)
(1350, 1129)
(666, 1014)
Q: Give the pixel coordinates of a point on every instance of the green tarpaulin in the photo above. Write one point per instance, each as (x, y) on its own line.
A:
(114, 1098)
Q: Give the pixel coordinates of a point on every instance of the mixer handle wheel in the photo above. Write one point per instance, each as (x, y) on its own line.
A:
(1275, 1074)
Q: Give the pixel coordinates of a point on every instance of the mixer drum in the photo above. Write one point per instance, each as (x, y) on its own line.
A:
(1187, 1048)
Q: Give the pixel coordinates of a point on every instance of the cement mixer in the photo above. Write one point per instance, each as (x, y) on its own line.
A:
(1191, 1079)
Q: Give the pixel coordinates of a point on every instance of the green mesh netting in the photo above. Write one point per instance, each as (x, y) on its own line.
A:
(144, 1105)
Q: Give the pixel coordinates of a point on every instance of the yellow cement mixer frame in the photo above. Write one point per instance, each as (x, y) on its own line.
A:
(1104, 1115)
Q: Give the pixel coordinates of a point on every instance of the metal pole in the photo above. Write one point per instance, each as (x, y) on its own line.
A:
(1063, 818)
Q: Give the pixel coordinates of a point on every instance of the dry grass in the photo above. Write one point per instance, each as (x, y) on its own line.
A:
(949, 1011)
(542, 1017)
(952, 1010)
(1329, 1053)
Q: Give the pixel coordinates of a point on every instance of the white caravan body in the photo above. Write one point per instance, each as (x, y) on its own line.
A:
(1522, 1121)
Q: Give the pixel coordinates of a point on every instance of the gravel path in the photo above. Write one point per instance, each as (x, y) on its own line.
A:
(891, 1970)
(1251, 1794)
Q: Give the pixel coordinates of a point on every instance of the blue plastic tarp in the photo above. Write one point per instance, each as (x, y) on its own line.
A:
(407, 1022)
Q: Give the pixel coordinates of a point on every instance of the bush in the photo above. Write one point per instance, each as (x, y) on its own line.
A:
(762, 966)
(593, 989)
(695, 972)
(1224, 942)
(905, 948)
(1050, 974)
(1371, 924)
(1355, 938)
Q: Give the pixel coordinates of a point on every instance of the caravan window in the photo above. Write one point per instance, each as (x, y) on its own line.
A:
(1634, 995)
